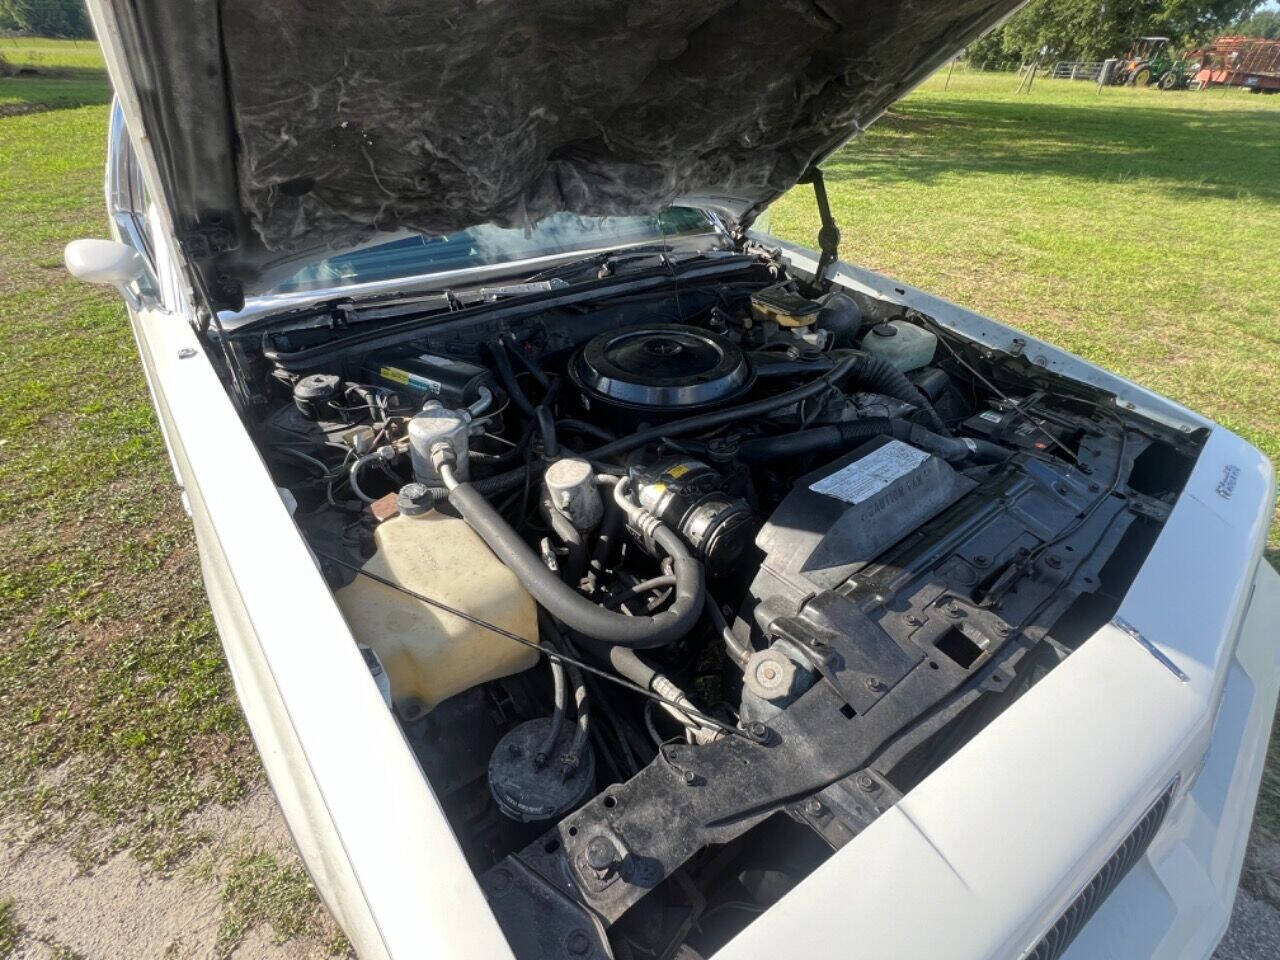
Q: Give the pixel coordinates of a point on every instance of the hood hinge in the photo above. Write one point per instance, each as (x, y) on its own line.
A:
(829, 233)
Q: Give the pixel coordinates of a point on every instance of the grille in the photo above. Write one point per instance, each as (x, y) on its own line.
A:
(1054, 943)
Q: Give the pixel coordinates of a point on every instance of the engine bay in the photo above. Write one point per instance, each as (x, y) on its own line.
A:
(676, 577)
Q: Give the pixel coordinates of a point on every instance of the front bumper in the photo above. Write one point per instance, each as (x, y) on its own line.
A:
(1177, 900)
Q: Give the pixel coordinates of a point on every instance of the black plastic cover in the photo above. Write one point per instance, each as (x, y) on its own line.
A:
(426, 376)
(842, 516)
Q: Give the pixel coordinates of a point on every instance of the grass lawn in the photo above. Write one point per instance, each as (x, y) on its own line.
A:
(119, 717)
(49, 74)
(1138, 229)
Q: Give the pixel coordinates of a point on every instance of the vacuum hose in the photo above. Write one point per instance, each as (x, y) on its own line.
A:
(562, 601)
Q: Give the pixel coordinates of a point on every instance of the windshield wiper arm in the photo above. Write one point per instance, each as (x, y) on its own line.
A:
(612, 263)
(490, 294)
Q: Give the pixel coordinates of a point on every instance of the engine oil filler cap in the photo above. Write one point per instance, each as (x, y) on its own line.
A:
(527, 792)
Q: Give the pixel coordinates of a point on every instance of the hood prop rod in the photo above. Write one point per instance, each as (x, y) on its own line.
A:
(829, 233)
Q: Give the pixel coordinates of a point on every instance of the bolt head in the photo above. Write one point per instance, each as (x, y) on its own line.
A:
(500, 881)
(865, 782)
(578, 943)
(601, 854)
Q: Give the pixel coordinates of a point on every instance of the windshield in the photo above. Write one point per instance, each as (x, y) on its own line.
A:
(482, 245)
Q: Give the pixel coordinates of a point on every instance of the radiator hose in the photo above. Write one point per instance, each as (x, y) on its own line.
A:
(562, 601)
(838, 437)
(878, 375)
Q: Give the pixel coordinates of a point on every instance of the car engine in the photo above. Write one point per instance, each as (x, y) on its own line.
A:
(676, 580)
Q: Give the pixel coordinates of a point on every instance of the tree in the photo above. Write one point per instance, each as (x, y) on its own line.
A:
(1095, 30)
(47, 18)
(1264, 23)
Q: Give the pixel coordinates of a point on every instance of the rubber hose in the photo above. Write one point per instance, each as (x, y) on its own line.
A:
(590, 429)
(640, 589)
(874, 373)
(507, 376)
(575, 558)
(840, 436)
(526, 361)
(878, 375)
(569, 606)
(607, 538)
(629, 664)
(547, 427)
(768, 365)
(490, 486)
(574, 757)
(737, 651)
(561, 699)
(716, 418)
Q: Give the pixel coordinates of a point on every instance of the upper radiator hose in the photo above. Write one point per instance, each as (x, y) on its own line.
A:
(840, 436)
(878, 375)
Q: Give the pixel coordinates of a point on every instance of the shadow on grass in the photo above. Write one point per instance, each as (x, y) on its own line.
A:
(53, 89)
(1196, 152)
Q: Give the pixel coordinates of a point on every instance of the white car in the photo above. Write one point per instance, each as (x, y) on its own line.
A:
(603, 577)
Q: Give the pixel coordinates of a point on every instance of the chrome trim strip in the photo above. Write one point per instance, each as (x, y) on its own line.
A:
(1124, 626)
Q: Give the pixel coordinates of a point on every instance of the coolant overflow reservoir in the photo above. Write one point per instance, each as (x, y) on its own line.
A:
(903, 344)
(428, 654)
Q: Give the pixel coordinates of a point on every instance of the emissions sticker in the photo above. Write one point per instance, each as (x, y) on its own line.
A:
(863, 479)
(396, 375)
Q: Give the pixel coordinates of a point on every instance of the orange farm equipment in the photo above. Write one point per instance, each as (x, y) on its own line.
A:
(1240, 62)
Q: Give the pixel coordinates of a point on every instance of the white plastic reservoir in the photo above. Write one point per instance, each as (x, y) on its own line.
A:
(429, 654)
(905, 345)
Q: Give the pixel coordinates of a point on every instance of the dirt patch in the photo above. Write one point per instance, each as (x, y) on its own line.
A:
(121, 908)
(1261, 876)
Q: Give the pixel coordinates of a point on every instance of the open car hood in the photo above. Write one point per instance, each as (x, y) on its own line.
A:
(287, 129)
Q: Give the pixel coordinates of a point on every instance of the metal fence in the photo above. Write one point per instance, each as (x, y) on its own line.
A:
(1076, 70)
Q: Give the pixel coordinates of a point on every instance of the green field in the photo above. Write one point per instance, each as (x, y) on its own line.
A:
(38, 75)
(1139, 229)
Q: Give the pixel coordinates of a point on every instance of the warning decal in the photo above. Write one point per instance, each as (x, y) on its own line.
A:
(864, 478)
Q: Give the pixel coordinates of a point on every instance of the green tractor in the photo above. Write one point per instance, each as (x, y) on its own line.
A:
(1149, 63)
